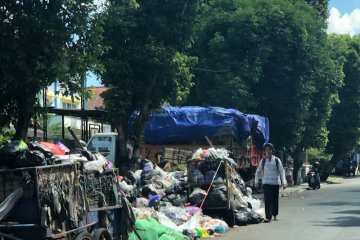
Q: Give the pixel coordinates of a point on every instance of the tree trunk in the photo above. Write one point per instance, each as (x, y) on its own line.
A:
(296, 170)
(298, 162)
(25, 112)
(334, 160)
(122, 160)
(22, 127)
(140, 123)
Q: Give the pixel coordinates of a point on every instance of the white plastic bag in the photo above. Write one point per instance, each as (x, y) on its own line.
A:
(237, 200)
(96, 165)
(197, 155)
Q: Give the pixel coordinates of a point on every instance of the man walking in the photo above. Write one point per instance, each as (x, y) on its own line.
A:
(273, 177)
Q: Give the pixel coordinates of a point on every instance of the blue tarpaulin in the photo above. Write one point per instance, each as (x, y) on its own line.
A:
(259, 129)
(183, 124)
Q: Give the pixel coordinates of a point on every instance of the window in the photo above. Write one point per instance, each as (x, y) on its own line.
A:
(103, 144)
(66, 105)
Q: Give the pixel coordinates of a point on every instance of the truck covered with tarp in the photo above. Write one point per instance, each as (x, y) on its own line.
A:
(190, 123)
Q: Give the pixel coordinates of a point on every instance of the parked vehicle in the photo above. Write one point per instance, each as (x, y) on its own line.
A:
(346, 167)
(313, 179)
(173, 132)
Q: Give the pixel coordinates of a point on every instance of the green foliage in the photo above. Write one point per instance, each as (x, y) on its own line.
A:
(318, 155)
(5, 136)
(267, 57)
(321, 7)
(344, 125)
(146, 63)
(329, 78)
(54, 130)
(44, 41)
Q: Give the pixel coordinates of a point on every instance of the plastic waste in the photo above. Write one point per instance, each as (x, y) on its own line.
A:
(221, 229)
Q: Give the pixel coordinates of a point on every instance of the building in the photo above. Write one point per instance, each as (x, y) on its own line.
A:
(65, 112)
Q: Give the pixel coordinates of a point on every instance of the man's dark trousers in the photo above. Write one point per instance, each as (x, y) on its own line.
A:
(271, 198)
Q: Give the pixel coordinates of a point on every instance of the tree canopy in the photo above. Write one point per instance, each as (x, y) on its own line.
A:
(146, 63)
(43, 41)
(269, 58)
(344, 124)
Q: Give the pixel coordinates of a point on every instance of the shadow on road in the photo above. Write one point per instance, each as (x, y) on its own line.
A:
(357, 190)
(348, 221)
(349, 212)
(336, 203)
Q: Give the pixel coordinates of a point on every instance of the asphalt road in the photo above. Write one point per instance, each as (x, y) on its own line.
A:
(332, 212)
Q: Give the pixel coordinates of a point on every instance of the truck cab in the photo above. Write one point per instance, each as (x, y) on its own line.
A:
(104, 143)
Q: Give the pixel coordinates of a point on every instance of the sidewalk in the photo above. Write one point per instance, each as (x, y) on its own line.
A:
(296, 189)
(287, 192)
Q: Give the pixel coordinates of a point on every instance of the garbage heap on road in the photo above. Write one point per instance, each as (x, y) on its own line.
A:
(206, 199)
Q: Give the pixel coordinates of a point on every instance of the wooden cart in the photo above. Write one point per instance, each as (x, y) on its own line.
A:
(56, 202)
(200, 175)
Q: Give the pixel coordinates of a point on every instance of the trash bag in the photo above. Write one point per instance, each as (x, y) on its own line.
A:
(154, 200)
(35, 158)
(29, 158)
(9, 152)
(135, 193)
(53, 148)
(254, 217)
(177, 200)
(147, 191)
(197, 176)
(191, 210)
(216, 197)
(179, 187)
(35, 145)
(177, 174)
(196, 196)
(146, 176)
(237, 200)
(147, 163)
(209, 176)
(219, 187)
(132, 178)
(247, 216)
(241, 218)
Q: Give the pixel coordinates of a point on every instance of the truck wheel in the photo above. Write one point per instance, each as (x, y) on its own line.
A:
(83, 236)
(102, 234)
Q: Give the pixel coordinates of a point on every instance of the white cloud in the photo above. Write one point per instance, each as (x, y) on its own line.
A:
(345, 24)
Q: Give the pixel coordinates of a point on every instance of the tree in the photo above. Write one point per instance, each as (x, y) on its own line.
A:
(146, 63)
(272, 52)
(230, 53)
(42, 41)
(321, 7)
(344, 124)
(271, 58)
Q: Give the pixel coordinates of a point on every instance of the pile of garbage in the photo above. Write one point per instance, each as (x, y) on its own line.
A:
(19, 154)
(170, 199)
(167, 204)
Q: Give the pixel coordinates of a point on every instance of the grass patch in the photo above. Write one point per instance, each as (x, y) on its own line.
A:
(334, 180)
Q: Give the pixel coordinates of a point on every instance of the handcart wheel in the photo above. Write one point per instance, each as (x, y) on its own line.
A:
(102, 234)
(83, 236)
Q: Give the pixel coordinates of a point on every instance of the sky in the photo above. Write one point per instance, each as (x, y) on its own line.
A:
(344, 19)
(92, 80)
